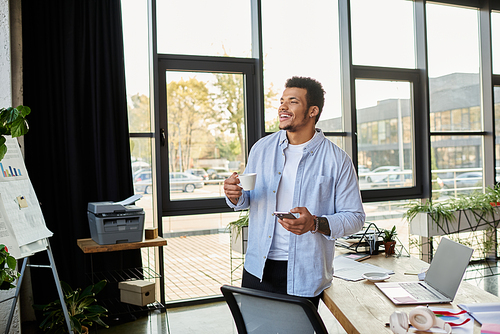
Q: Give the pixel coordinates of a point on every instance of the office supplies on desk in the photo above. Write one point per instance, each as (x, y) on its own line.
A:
(351, 270)
(116, 222)
(483, 312)
(441, 280)
(370, 233)
(356, 256)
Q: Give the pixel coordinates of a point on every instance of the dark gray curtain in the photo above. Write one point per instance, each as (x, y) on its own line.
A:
(77, 149)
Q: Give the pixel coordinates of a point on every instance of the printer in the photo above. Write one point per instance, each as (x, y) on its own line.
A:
(116, 222)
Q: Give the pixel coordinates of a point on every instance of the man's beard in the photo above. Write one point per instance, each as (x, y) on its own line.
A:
(293, 127)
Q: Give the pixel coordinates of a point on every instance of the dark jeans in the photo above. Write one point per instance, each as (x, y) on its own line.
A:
(273, 280)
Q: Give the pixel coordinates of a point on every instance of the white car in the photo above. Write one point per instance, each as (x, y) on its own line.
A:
(383, 174)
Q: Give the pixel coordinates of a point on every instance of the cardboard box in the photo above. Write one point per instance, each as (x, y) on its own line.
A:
(151, 233)
(137, 292)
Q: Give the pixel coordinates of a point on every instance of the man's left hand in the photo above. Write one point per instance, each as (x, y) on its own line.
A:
(301, 225)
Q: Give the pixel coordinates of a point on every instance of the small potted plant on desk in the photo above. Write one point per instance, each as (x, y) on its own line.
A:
(389, 242)
(81, 309)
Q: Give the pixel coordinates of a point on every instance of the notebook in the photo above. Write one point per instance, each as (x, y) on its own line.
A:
(441, 281)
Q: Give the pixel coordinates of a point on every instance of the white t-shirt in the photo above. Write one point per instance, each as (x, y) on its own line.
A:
(293, 154)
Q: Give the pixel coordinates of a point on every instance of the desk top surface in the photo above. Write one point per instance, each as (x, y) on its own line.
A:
(361, 307)
(90, 246)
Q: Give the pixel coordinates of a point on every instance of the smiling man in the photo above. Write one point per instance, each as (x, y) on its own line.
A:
(300, 171)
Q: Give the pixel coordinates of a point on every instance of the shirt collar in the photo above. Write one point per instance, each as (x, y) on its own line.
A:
(311, 146)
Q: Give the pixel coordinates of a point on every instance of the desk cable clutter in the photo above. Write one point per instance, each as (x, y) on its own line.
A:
(368, 240)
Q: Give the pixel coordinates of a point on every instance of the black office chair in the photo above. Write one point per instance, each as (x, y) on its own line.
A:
(261, 312)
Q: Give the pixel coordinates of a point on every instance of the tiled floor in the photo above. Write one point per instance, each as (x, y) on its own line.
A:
(197, 266)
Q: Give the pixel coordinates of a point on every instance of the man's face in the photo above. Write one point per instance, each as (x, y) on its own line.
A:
(292, 113)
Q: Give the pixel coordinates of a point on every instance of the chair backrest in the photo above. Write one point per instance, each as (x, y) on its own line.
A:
(261, 312)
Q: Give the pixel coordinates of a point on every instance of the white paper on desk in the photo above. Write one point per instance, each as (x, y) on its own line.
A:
(467, 328)
(351, 270)
(483, 312)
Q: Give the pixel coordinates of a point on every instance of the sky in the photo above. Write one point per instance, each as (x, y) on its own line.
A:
(301, 38)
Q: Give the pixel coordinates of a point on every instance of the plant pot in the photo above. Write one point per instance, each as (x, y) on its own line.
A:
(389, 247)
(463, 221)
(239, 239)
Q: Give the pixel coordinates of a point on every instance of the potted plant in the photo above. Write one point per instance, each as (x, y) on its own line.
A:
(8, 273)
(476, 212)
(388, 240)
(12, 123)
(82, 310)
(239, 232)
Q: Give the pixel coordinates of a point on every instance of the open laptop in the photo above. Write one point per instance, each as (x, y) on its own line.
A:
(441, 280)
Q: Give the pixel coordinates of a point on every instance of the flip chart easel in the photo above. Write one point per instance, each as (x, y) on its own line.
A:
(22, 226)
(52, 266)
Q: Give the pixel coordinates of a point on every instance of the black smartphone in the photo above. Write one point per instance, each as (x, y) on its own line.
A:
(282, 215)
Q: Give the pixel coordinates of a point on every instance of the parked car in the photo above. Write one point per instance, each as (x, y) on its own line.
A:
(383, 174)
(219, 173)
(142, 181)
(198, 172)
(178, 181)
(185, 182)
(464, 180)
(362, 171)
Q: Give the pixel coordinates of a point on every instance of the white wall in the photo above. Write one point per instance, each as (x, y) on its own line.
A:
(6, 101)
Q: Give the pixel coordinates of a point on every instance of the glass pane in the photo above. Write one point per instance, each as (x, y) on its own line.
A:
(453, 53)
(456, 165)
(135, 42)
(376, 40)
(339, 141)
(140, 153)
(311, 51)
(208, 28)
(495, 41)
(385, 134)
(198, 259)
(206, 132)
(497, 132)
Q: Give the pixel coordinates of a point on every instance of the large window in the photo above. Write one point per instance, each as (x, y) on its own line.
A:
(311, 50)
(406, 83)
(385, 134)
(209, 28)
(495, 40)
(204, 129)
(455, 100)
(375, 41)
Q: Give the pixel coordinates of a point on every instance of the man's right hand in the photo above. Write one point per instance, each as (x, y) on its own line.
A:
(232, 189)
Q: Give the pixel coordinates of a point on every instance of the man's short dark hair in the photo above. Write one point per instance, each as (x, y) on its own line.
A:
(315, 93)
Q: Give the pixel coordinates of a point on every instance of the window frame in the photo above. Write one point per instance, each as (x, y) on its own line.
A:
(253, 123)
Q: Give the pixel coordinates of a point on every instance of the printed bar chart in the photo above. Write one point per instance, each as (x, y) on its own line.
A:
(10, 171)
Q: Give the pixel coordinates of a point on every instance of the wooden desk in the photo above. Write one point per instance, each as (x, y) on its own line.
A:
(361, 308)
(90, 246)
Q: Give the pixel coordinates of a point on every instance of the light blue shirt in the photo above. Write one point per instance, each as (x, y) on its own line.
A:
(326, 184)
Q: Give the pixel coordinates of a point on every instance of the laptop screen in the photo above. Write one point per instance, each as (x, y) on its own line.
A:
(448, 267)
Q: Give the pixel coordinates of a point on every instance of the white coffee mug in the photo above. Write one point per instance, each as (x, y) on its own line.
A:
(247, 181)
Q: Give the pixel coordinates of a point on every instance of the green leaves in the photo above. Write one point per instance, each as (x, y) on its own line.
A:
(8, 273)
(81, 309)
(12, 122)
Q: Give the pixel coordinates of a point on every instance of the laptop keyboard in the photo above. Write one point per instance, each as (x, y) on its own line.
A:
(419, 292)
